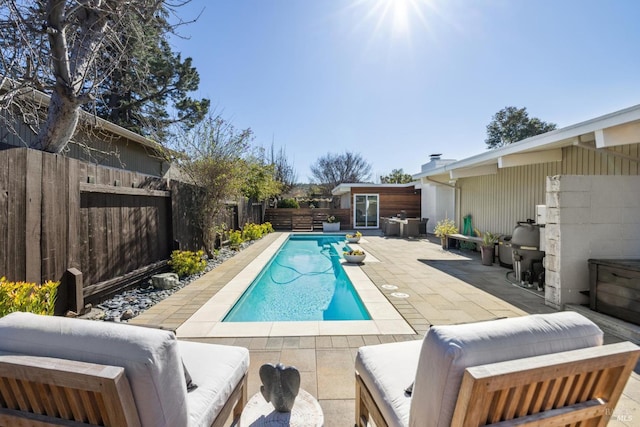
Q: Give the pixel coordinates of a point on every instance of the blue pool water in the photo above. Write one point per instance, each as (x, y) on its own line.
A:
(303, 281)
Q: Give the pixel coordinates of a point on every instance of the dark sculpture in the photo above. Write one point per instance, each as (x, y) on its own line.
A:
(280, 385)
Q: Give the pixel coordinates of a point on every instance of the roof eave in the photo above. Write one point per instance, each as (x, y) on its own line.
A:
(554, 139)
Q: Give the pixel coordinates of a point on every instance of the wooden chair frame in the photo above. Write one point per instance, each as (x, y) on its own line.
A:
(579, 387)
(45, 391)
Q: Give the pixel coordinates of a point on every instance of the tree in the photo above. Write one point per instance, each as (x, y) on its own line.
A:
(284, 173)
(136, 95)
(212, 160)
(260, 180)
(333, 169)
(76, 51)
(222, 165)
(397, 176)
(513, 124)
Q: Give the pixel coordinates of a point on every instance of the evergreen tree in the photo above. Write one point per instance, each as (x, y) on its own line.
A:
(513, 124)
(149, 82)
(397, 176)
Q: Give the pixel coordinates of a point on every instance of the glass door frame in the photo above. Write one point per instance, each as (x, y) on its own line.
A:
(367, 195)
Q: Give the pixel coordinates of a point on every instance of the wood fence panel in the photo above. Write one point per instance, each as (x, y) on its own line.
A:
(4, 212)
(184, 224)
(34, 215)
(58, 213)
(283, 218)
(75, 170)
(15, 251)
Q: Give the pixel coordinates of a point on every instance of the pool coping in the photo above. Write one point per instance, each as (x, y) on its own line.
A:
(206, 322)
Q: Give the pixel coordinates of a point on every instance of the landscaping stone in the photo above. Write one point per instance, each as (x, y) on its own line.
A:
(135, 300)
(165, 280)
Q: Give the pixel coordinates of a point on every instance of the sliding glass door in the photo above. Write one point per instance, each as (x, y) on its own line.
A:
(365, 210)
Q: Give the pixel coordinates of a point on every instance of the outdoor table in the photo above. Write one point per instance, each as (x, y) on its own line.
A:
(306, 412)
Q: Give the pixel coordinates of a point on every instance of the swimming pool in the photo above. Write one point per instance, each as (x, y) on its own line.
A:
(303, 281)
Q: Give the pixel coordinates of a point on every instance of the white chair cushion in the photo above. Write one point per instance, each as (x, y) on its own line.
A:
(448, 350)
(150, 357)
(386, 370)
(216, 370)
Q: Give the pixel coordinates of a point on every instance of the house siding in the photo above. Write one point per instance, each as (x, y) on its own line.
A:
(392, 200)
(497, 202)
(99, 147)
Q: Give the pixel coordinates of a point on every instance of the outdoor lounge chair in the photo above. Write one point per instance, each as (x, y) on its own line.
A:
(540, 370)
(73, 372)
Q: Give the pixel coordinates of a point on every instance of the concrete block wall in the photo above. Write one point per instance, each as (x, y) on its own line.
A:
(587, 217)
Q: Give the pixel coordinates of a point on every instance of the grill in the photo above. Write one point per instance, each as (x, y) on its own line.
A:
(526, 254)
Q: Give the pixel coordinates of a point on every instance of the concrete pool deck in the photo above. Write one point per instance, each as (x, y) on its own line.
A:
(442, 286)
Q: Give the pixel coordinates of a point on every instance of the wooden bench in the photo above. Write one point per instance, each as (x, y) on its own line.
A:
(464, 238)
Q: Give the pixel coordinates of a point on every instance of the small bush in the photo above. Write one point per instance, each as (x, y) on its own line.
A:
(267, 228)
(186, 263)
(252, 232)
(28, 297)
(235, 239)
(289, 203)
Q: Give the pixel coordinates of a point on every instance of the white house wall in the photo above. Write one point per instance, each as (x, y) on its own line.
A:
(437, 203)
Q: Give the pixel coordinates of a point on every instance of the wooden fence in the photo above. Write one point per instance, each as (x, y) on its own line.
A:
(58, 213)
(305, 219)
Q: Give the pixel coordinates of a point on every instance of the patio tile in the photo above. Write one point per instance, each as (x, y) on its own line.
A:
(294, 328)
(274, 343)
(339, 342)
(307, 342)
(335, 374)
(340, 412)
(302, 359)
(291, 342)
(195, 329)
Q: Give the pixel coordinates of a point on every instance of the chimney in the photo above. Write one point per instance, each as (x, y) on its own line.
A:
(436, 161)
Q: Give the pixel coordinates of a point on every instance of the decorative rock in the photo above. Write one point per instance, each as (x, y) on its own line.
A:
(165, 280)
(144, 295)
(280, 385)
(127, 314)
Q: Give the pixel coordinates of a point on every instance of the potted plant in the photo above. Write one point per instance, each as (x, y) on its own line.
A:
(331, 224)
(443, 228)
(487, 249)
(354, 238)
(355, 256)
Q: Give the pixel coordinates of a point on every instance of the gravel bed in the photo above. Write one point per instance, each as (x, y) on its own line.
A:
(130, 303)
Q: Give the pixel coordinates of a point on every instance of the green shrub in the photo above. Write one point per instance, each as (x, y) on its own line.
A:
(289, 203)
(235, 239)
(185, 263)
(252, 232)
(29, 297)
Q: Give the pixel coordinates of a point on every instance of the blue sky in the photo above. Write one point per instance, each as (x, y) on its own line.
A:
(397, 80)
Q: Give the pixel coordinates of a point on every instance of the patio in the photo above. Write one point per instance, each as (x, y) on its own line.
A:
(443, 287)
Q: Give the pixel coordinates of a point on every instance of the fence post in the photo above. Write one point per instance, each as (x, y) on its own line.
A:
(70, 293)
